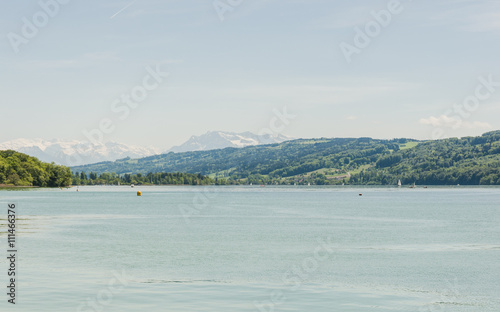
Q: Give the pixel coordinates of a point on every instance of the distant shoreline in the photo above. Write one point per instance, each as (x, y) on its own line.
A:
(16, 186)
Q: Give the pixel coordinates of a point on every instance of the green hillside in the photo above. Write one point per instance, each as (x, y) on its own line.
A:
(17, 169)
(468, 161)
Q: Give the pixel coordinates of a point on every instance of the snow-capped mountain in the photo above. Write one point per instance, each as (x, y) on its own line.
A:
(74, 153)
(218, 139)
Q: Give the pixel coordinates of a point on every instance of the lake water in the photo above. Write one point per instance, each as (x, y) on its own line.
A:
(255, 249)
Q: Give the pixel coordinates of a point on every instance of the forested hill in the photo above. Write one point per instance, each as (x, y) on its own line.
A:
(17, 169)
(468, 161)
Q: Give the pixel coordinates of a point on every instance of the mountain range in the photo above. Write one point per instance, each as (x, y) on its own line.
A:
(218, 140)
(76, 153)
(464, 161)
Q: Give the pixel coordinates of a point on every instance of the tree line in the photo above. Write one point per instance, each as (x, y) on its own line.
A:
(18, 169)
(163, 178)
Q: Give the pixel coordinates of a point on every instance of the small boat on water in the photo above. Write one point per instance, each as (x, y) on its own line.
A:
(413, 186)
(131, 185)
(399, 183)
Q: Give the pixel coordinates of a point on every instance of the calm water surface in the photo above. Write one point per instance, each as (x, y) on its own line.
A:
(255, 249)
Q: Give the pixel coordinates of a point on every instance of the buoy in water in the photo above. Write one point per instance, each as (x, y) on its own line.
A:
(360, 194)
(139, 193)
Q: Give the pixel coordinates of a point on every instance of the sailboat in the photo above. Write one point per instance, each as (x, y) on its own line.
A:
(413, 186)
(399, 183)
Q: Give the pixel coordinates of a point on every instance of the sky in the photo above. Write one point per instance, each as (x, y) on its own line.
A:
(154, 73)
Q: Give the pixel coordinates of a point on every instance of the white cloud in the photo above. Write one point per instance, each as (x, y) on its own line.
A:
(83, 61)
(483, 22)
(335, 93)
(471, 16)
(455, 123)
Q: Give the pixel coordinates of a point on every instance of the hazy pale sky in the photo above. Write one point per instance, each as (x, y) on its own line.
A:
(374, 68)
